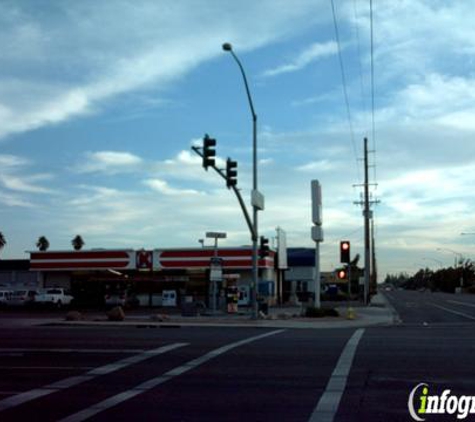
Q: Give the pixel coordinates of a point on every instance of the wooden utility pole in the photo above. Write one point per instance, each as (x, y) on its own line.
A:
(367, 217)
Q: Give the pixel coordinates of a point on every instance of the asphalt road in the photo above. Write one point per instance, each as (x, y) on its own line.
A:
(240, 374)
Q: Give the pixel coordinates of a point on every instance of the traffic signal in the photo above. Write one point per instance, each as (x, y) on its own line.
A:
(345, 251)
(231, 173)
(209, 151)
(342, 274)
(264, 247)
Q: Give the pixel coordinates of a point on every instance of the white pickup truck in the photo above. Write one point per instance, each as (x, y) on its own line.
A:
(53, 296)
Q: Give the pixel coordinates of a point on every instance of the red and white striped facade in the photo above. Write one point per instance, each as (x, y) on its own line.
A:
(158, 259)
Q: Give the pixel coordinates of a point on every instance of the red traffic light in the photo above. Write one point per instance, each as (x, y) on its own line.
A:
(341, 274)
(345, 251)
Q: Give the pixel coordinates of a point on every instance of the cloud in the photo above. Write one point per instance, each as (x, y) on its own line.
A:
(13, 177)
(23, 183)
(110, 162)
(314, 52)
(95, 194)
(317, 166)
(96, 52)
(14, 200)
(11, 161)
(163, 187)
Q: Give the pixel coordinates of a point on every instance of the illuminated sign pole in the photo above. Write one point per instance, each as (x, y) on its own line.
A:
(317, 235)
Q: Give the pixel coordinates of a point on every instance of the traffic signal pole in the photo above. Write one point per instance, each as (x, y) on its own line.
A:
(235, 190)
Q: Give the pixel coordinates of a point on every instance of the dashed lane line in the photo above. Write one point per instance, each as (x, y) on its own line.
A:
(328, 404)
(30, 395)
(454, 312)
(154, 382)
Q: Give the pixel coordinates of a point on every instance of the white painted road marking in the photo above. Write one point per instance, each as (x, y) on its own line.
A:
(472, 305)
(454, 312)
(147, 385)
(72, 381)
(328, 405)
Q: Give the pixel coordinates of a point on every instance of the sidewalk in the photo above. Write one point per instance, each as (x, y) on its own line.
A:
(379, 313)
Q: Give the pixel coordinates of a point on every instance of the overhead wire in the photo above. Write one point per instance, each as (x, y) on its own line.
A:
(360, 67)
(345, 90)
(373, 126)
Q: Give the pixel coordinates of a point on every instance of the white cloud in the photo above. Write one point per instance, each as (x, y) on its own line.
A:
(314, 52)
(317, 166)
(109, 162)
(11, 161)
(14, 200)
(163, 187)
(23, 183)
(98, 51)
(13, 177)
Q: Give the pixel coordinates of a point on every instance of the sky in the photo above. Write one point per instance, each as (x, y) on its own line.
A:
(101, 102)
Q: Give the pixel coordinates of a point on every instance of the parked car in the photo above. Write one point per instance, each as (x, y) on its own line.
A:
(5, 296)
(56, 296)
(23, 297)
(121, 298)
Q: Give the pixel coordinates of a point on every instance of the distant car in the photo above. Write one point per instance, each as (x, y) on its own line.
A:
(5, 296)
(121, 298)
(55, 296)
(23, 297)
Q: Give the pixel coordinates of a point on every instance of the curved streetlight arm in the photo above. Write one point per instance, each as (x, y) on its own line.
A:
(228, 47)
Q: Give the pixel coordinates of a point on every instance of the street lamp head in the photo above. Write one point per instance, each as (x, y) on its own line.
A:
(227, 46)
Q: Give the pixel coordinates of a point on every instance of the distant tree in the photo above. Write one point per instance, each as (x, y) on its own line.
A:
(42, 244)
(3, 241)
(77, 243)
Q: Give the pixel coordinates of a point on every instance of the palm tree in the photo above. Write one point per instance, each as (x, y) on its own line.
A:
(3, 241)
(42, 244)
(77, 243)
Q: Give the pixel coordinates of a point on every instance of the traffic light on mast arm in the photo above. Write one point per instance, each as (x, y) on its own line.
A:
(209, 151)
(345, 251)
(263, 247)
(231, 173)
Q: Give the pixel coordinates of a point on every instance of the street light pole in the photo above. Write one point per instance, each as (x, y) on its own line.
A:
(457, 255)
(255, 206)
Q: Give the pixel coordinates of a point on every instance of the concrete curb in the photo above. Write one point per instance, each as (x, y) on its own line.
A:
(387, 304)
(376, 318)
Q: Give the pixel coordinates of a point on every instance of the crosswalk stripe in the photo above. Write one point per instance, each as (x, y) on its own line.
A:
(36, 393)
(147, 385)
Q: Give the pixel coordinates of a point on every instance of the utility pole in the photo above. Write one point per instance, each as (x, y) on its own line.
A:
(367, 217)
(374, 272)
(369, 243)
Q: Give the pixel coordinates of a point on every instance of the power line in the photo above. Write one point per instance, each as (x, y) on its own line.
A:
(345, 91)
(360, 67)
(373, 126)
